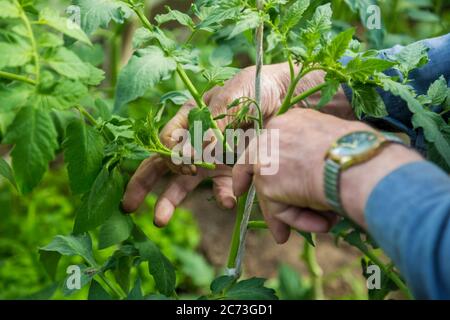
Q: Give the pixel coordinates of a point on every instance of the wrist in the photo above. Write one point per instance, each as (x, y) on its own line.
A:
(358, 182)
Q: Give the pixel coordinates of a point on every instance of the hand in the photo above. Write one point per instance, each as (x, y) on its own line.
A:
(275, 83)
(294, 197)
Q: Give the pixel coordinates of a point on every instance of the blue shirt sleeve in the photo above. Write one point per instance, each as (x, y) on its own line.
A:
(408, 214)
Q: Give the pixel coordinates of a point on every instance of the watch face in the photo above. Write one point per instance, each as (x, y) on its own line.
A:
(354, 144)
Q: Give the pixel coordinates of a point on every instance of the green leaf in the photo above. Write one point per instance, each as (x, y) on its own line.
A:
(291, 286)
(433, 128)
(6, 172)
(159, 266)
(101, 202)
(195, 267)
(67, 246)
(361, 70)
(14, 96)
(221, 56)
(413, 56)
(65, 95)
(68, 64)
(366, 100)
(220, 284)
(308, 237)
(220, 14)
(115, 230)
(273, 40)
(176, 97)
(144, 70)
(339, 45)
(354, 239)
(250, 289)
(99, 13)
(434, 155)
(35, 140)
(14, 55)
(218, 75)
(248, 21)
(293, 15)
(52, 18)
(97, 292)
(175, 15)
(438, 91)
(328, 92)
(83, 154)
(49, 40)
(9, 9)
(200, 121)
(136, 292)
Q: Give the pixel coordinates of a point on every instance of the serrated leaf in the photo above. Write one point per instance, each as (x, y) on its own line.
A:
(99, 13)
(159, 266)
(14, 96)
(250, 289)
(6, 172)
(221, 56)
(293, 15)
(49, 40)
(175, 15)
(176, 97)
(52, 18)
(437, 92)
(115, 230)
(9, 9)
(361, 70)
(221, 283)
(145, 69)
(328, 92)
(65, 95)
(247, 21)
(97, 292)
(200, 121)
(14, 55)
(413, 56)
(367, 101)
(339, 44)
(220, 14)
(35, 140)
(68, 64)
(83, 154)
(101, 202)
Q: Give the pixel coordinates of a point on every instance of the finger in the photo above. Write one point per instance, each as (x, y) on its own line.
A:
(223, 191)
(304, 220)
(280, 231)
(142, 182)
(174, 194)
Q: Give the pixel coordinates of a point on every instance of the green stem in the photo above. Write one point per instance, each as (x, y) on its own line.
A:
(12, 76)
(392, 275)
(118, 292)
(306, 94)
(315, 271)
(291, 89)
(256, 224)
(190, 86)
(236, 232)
(87, 115)
(35, 53)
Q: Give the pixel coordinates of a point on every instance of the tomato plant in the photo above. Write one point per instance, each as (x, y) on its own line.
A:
(54, 100)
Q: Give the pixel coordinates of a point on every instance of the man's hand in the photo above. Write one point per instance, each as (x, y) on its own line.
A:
(294, 196)
(274, 87)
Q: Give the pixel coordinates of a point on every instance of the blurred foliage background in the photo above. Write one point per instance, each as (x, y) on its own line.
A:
(28, 222)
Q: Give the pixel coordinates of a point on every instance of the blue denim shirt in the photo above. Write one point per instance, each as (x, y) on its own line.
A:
(408, 212)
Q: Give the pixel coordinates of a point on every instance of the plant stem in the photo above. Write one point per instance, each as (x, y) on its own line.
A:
(13, 76)
(190, 86)
(291, 89)
(392, 275)
(87, 115)
(306, 94)
(26, 21)
(236, 232)
(257, 224)
(315, 271)
(118, 292)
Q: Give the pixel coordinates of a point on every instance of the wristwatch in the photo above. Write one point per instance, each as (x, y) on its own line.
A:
(350, 150)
